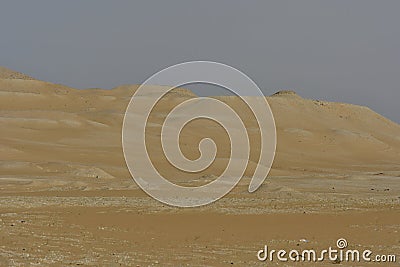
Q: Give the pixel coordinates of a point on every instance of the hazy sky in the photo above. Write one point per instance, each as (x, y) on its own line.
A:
(338, 50)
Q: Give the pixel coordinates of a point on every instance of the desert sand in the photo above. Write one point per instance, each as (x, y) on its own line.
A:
(67, 197)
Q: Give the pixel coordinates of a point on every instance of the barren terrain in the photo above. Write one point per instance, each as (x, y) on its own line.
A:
(67, 197)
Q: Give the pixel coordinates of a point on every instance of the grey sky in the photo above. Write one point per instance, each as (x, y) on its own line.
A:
(338, 50)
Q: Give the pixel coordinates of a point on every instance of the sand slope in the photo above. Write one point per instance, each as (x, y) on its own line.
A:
(6, 73)
(56, 136)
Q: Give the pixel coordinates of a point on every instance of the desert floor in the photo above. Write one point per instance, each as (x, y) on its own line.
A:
(126, 227)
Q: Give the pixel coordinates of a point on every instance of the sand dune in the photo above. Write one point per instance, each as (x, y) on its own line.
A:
(45, 123)
(6, 73)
